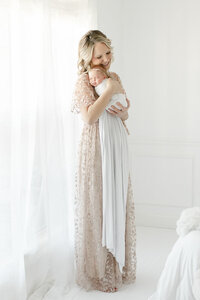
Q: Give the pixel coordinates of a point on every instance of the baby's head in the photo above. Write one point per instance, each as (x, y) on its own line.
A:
(96, 75)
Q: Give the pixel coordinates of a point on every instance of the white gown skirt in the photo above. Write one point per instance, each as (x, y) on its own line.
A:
(115, 172)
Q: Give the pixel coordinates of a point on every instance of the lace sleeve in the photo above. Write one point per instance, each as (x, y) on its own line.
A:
(83, 94)
(116, 77)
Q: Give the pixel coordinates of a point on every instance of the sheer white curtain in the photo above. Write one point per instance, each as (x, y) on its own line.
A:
(38, 144)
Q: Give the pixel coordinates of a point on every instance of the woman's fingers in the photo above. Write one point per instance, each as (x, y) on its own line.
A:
(113, 111)
(120, 105)
(128, 101)
(116, 109)
(124, 108)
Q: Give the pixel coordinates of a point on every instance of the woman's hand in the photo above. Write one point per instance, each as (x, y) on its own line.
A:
(114, 86)
(121, 113)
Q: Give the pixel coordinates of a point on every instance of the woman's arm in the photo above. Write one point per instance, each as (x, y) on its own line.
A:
(123, 112)
(91, 113)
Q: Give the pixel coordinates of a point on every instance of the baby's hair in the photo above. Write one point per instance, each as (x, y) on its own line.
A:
(99, 68)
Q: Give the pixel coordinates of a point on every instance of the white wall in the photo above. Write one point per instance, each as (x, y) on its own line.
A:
(157, 46)
(109, 21)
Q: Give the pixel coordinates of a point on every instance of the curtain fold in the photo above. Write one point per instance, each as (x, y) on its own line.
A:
(38, 145)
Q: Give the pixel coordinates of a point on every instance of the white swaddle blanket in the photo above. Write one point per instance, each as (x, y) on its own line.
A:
(115, 172)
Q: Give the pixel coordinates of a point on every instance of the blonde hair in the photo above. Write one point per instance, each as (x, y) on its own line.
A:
(86, 47)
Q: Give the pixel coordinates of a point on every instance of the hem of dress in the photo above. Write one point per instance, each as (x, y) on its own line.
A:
(92, 287)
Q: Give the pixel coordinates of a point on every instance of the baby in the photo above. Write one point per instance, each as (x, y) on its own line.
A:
(98, 78)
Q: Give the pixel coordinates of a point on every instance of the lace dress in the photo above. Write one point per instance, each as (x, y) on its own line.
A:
(96, 268)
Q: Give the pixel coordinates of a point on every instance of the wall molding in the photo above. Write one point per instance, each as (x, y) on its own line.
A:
(164, 141)
(162, 205)
(190, 157)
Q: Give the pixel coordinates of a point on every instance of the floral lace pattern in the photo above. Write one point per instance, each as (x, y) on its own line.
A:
(83, 93)
(96, 268)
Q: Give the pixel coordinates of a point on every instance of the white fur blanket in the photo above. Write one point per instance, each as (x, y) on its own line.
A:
(188, 221)
(196, 285)
(180, 278)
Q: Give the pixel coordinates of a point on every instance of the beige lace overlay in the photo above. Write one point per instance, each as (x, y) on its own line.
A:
(96, 268)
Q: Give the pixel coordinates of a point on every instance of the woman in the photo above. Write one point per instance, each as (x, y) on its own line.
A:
(96, 267)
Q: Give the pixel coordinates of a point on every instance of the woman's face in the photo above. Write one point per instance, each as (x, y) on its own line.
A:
(101, 55)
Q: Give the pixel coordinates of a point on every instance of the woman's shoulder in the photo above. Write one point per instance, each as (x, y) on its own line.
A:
(82, 81)
(83, 77)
